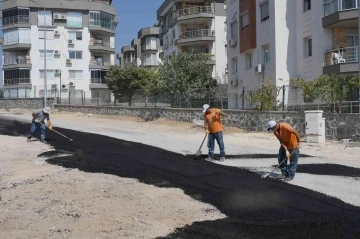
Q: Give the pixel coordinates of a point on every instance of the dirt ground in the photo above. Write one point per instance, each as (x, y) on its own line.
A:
(42, 201)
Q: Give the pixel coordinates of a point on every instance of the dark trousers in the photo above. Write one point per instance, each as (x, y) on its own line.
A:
(211, 144)
(288, 170)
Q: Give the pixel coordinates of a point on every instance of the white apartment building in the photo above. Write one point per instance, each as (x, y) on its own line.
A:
(197, 26)
(80, 46)
(144, 51)
(285, 39)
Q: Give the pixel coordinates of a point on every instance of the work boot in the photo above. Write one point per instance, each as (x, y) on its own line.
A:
(29, 139)
(222, 159)
(287, 179)
(44, 141)
(210, 159)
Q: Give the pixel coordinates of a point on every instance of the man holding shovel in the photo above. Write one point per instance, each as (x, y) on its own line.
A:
(290, 143)
(213, 127)
(38, 119)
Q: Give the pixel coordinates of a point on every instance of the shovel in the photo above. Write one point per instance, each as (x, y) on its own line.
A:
(58, 133)
(198, 152)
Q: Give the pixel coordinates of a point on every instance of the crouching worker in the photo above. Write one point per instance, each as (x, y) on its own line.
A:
(290, 143)
(38, 122)
(213, 127)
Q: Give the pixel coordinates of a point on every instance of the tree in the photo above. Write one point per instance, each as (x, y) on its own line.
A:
(186, 75)
(265, 98)
(148, 83)
(309, 89)
(123, 81)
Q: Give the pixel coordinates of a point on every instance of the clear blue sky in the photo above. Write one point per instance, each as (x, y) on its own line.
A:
(133, 15)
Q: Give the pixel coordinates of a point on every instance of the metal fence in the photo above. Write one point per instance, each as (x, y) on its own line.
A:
(350, 107)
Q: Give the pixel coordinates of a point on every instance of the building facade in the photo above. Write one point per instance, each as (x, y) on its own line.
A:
(144, 50)
(195, 26)
(79, 37)
(285, 39)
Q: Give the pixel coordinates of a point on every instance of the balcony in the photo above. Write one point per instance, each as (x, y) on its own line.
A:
(200, 37)
(102, 26)
(100, 64)
(16, 21)
(98, 83)
(17, 81)
(341, 61)
(202, 14)
(17, 62)
(340, 13)
(99, 45)
(16, 44)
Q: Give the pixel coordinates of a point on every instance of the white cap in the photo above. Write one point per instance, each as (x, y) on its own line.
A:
(46, 110)
(205, 107)
(271, 124)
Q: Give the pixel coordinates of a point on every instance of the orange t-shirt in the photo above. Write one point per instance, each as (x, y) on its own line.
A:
(215, 123)
(287, 134)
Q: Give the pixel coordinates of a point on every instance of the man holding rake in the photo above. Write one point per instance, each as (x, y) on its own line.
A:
(290, 143)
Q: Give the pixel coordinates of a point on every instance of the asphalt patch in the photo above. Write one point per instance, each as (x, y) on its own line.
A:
(329, 169)
(243, 156)
(255, 208)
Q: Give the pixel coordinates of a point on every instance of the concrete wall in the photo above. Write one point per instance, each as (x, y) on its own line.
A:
(338, 126)
(25, 103)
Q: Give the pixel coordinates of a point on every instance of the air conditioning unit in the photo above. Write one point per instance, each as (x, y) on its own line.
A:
(68, 61)
(53, 87)
(57, 16)
(56, 52)
(64, 87)
(70, 41)
(63, 16)
(72, 84)
(232, 42)
(56, 33)
(258, 68)
(57, 72)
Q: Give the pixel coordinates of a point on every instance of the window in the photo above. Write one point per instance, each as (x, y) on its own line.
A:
(307, 5)
(102, 19)
(352, 41)
(75, 74)
(49, 74)
(74, 19)
(307, 47)
(16, 76)
(264, 8)
(49, 34)
(149, 59)
(75, 35)
(75, 54)
(98, 76)
(234, 65)
(234, 30)
(15, 16)
(266, 54)
(249, 60)
(15, 36)
(49, 54)
(150, 43)
(245, 21)
(45, 18)
(173, 34)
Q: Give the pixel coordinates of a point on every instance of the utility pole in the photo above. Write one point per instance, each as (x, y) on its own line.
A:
(45, 70)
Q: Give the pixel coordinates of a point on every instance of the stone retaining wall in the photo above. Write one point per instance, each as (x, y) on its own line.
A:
(338, 126)
(25, 103)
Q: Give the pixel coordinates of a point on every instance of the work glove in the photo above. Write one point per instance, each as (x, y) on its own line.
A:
(207, 132)
(36, 121)
(50, 127)
(288, 155)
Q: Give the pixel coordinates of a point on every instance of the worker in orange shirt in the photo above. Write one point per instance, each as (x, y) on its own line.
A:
(213, 127)
(290, 144)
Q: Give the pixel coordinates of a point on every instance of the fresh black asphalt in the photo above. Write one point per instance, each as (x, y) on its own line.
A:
(255, 208)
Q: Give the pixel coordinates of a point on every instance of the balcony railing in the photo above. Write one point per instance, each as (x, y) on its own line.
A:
(108, 25)
(99, 42)
(101, 63)
(197, 33)
(194, 10)
(129, 60)
(17, 41)
(153, 47)
(98, 81)
(333, 6)
(16, 60)
(341, 55)
(20, 19)
(16, 81)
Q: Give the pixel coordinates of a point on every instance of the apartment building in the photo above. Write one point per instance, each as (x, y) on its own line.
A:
(284, 39)
(77, 39)
(195, 26)
(145, 50)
